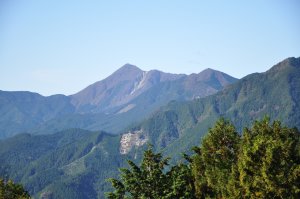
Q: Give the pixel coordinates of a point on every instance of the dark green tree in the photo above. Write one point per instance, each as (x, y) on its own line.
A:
(269, 161)
(263, 163)
(202, 190)
(218, 154)
(181, 182)
(10, 190)
(151, 181)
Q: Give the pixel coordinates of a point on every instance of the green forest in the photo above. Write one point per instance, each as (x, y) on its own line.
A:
(11, 190)
(263, 162)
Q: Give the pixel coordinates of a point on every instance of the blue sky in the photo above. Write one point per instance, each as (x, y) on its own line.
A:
(55, 46)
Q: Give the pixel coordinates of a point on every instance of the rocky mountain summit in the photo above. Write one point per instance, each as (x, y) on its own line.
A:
(119, 88)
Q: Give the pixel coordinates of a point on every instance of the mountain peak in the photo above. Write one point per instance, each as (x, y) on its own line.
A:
(208, 73)
(286, 63)
(291, 61)
(129, 68)
(209, 70)
(215, 78)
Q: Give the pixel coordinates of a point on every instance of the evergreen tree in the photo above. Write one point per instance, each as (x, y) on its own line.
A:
(218, 154)
(263, 163)
(150, 181)
(269, 161)
(181, 182)
(10, 190)
(202, 190)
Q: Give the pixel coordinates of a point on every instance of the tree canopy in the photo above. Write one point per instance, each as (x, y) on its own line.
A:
(263, 162)
(10, 190)
(150, 180)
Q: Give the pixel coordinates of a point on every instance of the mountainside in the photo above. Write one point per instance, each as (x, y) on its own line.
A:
(21, 111)
(275, 93)
(128, 95)
(118, 89)
(68, 164)
(130, 82)
(74, 163)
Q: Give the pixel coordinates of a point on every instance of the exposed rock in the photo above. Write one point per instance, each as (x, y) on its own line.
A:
(132, 139)
(126, 108)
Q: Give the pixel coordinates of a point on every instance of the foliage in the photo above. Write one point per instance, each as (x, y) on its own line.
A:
(66, 163)
(269, 161)
(151, 181)
(214, 159)
(10, 190)
(62, 165)
(219, 154)
(263, 163)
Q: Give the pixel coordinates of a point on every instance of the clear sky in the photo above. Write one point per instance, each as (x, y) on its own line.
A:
(61, 46)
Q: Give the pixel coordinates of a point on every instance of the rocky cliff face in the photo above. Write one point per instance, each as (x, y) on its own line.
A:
(131, 140)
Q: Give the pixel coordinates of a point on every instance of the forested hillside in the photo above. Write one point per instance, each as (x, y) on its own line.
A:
(69, 164)
(75, 163)
(275, 93)
(262, 163)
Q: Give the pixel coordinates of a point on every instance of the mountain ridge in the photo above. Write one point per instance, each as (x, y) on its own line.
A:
(275, 93)
(80, 165)
(119, 88)
(123, 93)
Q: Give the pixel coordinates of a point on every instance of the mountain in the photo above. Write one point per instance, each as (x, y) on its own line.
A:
(275, 93)
(21, 111)
(129, 82)
(118, 89)
(68, 164)
(74, 163)
(128, 95)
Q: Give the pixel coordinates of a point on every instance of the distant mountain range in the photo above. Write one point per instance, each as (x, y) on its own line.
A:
(128, 95)
(74, 163)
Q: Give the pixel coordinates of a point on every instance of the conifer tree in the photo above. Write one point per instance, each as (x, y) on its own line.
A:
(10, 190)
(263, 163)
(202, 190)
(181, 182)
(151, 181)
(269, 161)
(218, 154)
